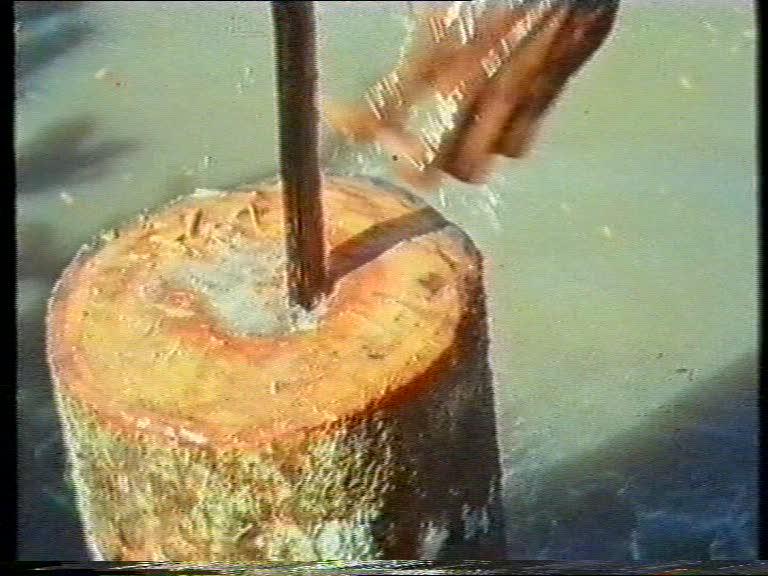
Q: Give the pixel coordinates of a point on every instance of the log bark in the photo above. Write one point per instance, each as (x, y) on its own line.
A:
(207, 421)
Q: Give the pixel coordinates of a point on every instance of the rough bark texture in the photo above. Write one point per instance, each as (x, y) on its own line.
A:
(412, 473)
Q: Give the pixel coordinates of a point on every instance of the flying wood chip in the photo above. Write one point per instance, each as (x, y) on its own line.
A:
(485, 75)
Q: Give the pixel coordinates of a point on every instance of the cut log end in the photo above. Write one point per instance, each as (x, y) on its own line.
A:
(206, 419)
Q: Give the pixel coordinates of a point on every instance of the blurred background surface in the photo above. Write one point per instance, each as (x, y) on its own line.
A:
(621, 256)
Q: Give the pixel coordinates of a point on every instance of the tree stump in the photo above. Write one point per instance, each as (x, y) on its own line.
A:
(205, 420)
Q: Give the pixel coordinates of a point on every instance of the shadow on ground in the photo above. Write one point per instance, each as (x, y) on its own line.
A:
(45, 31)
(48, 527)
(682, 486)
(65, 153)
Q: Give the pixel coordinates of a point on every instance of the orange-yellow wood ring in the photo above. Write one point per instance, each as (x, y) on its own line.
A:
(157, 330)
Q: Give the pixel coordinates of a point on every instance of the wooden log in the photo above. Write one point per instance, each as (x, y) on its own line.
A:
(205, 420)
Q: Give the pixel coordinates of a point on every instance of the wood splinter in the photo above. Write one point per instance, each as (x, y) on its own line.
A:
(494, 73)
(193, 223)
